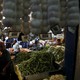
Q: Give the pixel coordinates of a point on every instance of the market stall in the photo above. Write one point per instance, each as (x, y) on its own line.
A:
(46, 32)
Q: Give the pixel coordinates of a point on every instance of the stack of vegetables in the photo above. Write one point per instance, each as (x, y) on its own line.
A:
(73, 13)
(22, 57)
(58, 52)
(36, 21)
(19, 14)
(54, 15)
(54, 11)
(63, 13)
(26, 18)
(45, 26)
(9, 12)
(38, 61)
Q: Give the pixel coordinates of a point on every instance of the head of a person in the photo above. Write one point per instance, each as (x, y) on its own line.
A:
(36, 41)
(14, 41)
(2, 46)
(59, 41)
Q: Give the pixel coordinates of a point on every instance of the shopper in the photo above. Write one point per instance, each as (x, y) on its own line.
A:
(37, 45)
(16, 47)
(6, 65)
(20, 36)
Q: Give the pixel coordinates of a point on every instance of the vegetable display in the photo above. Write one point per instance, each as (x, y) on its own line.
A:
(21, 57)
(58, 52)
(40, 61)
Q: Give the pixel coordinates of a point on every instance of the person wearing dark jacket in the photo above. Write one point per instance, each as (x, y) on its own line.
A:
(6, 66)
(20, 36)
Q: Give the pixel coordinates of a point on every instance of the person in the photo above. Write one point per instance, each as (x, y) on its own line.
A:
(37, 45)
(55, 41)
(16, 47)
(58, 41)
(6, 66)
(20, 36)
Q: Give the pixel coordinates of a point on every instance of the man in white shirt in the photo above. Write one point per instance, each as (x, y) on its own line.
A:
(16, 47)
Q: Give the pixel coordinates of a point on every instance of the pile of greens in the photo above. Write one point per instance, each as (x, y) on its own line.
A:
(22, 57)
(58, 52)
(39, 62)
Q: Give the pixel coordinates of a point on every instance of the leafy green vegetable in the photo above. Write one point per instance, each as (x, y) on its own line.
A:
(40, 61)
(58, 52)
(21, 57)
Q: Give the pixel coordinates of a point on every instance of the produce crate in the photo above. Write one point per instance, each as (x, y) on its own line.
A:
(39, 76)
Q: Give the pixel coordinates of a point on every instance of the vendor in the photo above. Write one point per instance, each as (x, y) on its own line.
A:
(59, 42)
